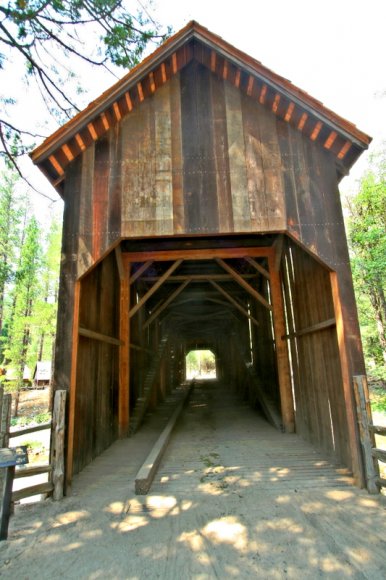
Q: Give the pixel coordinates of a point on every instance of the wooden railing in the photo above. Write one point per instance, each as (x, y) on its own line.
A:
(367, 430)
(55, 468)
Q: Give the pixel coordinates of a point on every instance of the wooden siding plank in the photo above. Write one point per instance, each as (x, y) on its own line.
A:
(100, 197)
(177, 164)
(236, 154)
(115, 186)
(85, 232)
(138, 179)
(163, 162)
(254, 164)
(272, 168)
(124, 355)
(72, 390)
(200, 196)
(284, 371)
(289, 159)
(221, 158)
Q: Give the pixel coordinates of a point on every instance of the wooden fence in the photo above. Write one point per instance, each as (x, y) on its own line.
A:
(368, 430)
(55, 468)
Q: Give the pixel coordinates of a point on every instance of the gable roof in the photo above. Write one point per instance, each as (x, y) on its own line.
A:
(276, 93)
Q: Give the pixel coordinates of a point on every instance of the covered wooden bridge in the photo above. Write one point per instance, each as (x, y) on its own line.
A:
(202, 211)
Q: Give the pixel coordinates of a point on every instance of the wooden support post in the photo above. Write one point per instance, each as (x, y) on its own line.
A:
(124, 355)
(357, 465)
(155, 287)
(282, 357)
(6, 501)
(234, 302)
(58, 431)
(367, 437)
(6, 410)
(165, 304)
(240, 280)
(72, 394)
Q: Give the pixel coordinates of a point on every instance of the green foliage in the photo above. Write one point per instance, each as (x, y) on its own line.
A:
(56, 38)
(40, 418)
(367, 237)
(378, 398)
(29, 266)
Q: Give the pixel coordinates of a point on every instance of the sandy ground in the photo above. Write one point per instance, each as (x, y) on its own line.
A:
(233, 498)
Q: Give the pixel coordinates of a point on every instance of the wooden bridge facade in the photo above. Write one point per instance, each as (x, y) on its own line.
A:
(202, 209)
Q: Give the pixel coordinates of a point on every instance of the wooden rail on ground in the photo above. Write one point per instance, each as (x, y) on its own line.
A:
(371, 455)
(146, 474)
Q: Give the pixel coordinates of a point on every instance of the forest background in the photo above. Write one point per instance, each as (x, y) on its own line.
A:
(48, 49)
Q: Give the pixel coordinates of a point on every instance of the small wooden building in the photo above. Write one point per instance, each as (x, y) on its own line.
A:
(202, 211)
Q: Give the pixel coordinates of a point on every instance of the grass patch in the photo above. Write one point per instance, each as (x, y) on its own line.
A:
(378, 397)
(36, 419)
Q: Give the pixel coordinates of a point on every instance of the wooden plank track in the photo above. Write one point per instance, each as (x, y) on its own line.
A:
(148, 470)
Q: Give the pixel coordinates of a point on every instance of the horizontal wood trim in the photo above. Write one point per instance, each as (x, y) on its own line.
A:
(207, 254)
(46, 487)
(27, 430)
(141, 348)
(29, 471)
(99, 336)
(314, 328)
(379, 454)
(378, 429)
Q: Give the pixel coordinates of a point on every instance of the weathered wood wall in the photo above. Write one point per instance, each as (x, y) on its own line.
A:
(319, 396)
(96, 407)
(201, 157)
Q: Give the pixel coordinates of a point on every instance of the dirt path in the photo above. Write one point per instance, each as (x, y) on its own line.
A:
(233, 499)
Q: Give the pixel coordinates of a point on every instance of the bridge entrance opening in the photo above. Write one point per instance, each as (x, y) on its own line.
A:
(258, 314)
(200, 364)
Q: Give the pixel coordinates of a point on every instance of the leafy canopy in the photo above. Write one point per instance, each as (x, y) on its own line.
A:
(51, 37)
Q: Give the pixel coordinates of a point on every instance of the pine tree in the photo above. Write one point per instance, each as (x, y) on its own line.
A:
(24, 295)
(10, 217)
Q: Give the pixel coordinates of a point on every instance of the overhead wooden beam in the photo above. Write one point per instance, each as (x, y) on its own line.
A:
(281, 350)
(199, 277)
(257, 267)
(140, 271)
(165, 304)
(204, 254)
(243, 283)
(234, 302)
(154, 288)
(99, 336)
